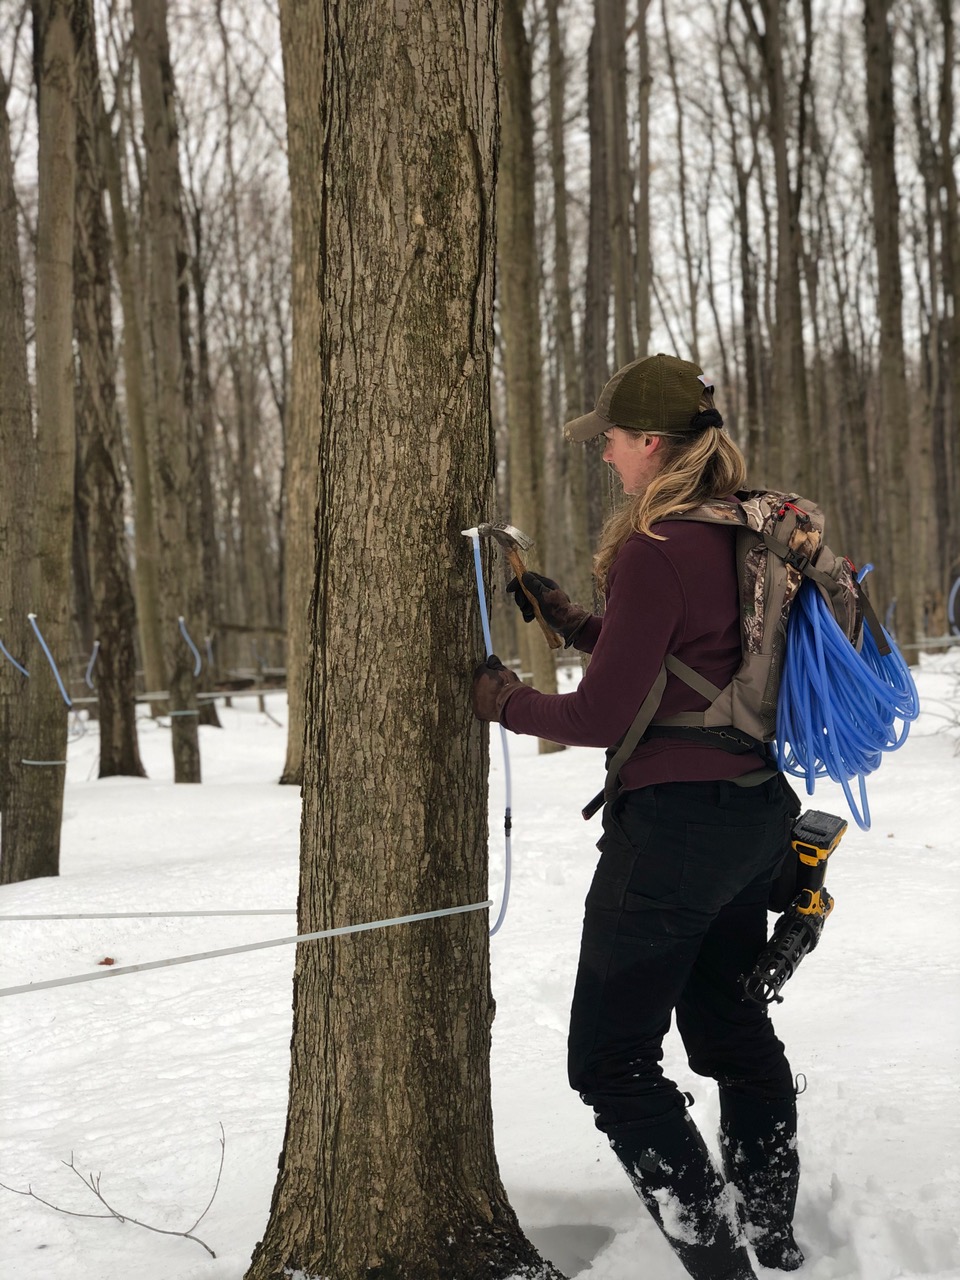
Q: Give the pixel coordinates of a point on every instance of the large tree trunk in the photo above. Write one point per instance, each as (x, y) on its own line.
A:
(388, 1166)
(520, 322)
(16, 517)
(100, 453)
(302, 38)
(32, 834)
(892, 406)
(181, 597)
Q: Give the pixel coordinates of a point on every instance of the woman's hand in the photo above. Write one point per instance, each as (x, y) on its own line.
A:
(493, 684)
(558, 610)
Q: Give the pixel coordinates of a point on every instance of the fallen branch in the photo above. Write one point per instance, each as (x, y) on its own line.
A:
(92, 1182)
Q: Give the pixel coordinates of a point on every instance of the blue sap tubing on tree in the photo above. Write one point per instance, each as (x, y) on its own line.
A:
(474, 536)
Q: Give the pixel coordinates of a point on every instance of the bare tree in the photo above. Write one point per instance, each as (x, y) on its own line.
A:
(596, 302)
(641, 214)
(520, 319)
(302, 40)
(949, 473)
(689, 254)
(180, 593)
(574, 457)
(765, 20)
(741, 118)
(35, 788)
(611, 17)
(243, 370)
(205, 413)
(16, 514)
(101, 479)
(892, 400)
(930, 222)
(388, 1164)
(139, 405)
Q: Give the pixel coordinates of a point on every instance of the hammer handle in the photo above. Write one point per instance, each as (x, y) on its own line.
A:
(519, 569)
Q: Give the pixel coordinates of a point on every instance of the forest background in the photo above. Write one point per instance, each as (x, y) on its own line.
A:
(768, 188)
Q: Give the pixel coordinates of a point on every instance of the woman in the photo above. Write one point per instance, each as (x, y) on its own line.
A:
(692, 836)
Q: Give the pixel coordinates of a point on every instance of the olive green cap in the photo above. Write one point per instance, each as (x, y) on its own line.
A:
(660, 394)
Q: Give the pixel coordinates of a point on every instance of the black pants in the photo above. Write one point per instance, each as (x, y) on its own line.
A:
(676, 913)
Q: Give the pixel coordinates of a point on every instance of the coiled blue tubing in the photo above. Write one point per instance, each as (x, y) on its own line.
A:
(838, 709)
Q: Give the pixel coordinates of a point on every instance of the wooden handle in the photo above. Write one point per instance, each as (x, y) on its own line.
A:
(519, 569)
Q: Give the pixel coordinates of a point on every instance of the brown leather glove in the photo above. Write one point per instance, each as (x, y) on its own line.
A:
(493, 684)
(559, 611)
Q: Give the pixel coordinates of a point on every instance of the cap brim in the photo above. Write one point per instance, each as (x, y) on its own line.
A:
(585, 428)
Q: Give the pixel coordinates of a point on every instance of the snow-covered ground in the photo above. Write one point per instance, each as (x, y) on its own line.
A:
(133, 1076)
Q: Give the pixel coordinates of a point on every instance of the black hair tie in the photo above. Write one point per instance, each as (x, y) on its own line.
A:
(706, 418)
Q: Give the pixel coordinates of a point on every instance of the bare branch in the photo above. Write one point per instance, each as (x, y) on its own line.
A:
(216, 1188)
(70, 1212)
(92, 1182)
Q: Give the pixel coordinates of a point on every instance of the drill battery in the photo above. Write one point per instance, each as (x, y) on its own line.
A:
(814, 837)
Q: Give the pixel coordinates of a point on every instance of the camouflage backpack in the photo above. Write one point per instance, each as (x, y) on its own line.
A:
(779, 542)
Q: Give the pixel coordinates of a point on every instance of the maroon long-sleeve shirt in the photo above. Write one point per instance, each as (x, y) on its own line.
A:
(675, 597)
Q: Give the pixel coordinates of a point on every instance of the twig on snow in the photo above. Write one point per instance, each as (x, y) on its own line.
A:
(92, 1182)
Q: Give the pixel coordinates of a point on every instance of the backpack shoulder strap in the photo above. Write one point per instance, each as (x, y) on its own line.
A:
(648, 709)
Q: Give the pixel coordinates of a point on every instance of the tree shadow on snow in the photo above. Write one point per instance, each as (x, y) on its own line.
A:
(572, 1247)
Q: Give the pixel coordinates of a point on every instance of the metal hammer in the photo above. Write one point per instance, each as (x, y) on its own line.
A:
(513, 541)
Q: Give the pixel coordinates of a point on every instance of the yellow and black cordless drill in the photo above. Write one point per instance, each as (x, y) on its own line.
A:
(814, 837)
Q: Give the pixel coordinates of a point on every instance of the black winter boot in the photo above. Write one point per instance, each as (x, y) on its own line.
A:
(671, 1169)
(758, 1139)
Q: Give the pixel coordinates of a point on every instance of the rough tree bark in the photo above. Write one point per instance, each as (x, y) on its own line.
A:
(388, 1167)
(179, 570)
(519, 285)
(302, 38)
(16, 514)
(100, 450)
(35, 794)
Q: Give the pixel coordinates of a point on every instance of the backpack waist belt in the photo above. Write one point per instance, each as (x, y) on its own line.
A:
(688, 724)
